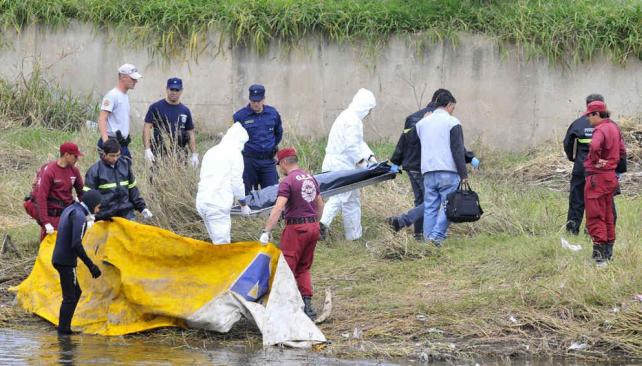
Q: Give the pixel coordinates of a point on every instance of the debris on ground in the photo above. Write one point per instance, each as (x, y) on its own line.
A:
(571, 247)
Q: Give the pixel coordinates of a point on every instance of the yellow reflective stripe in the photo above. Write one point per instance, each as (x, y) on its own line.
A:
(584, 141)
(85, 188)
(107, 186)
(132, 185)
(124, 182)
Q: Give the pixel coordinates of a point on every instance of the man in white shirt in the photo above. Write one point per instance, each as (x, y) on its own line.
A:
(113, 120)
(443, 164)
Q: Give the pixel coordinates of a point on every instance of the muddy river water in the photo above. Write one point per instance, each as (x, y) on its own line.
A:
(20, 347)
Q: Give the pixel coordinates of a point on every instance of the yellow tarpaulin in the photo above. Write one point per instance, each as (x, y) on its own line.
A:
(152, 278)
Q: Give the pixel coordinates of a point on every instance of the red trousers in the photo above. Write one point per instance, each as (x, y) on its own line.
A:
(297, 244)
(32, 210)
(598, 201)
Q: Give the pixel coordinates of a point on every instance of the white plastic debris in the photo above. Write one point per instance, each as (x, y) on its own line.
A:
(571, 247)
(577, 346)
(513, 319)
(422, 318)
(637, 298)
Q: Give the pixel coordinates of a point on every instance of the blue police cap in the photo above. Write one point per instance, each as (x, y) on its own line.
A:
(257, 92)
(175, 83)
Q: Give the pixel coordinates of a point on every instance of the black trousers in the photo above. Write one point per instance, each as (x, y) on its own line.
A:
(70, 295)
(576, 204)
(417, 184)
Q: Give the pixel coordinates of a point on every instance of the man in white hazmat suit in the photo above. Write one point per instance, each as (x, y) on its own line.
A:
(221, 182)
(346, 149)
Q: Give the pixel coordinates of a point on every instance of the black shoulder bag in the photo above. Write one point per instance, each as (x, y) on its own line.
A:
(463, 205)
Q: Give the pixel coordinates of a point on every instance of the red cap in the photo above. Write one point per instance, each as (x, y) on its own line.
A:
(70, 148)
(595, 106)
(284, 153)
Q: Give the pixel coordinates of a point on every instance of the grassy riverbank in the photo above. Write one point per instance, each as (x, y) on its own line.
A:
(572, 30)
(501, 287)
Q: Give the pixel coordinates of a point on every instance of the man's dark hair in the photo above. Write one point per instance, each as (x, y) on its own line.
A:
(444, 98)
(594, 97)
(291, 159)
(111, 146)
(436, 94)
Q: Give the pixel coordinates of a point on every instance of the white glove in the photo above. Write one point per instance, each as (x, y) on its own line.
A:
(90, 220)
(49, 229)
(149, 155)
(147, 214)
(265, 238)
(245, 210)
(195, 160)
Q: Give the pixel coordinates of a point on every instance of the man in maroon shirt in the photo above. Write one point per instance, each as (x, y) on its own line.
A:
(52, 189)
(605, 151)
(299, 196)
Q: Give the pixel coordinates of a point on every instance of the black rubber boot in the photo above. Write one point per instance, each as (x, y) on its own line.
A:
(394, 223)
(608, 251)
(307, 309)
(599, 254)
(323, 232)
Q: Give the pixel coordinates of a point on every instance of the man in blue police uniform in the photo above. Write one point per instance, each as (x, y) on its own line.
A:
(170, 123)
(263, 125)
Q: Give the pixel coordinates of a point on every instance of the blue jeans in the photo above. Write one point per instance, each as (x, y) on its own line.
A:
(437, 186)
(416, 214)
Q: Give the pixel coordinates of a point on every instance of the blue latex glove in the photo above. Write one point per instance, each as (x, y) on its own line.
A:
(394, 168)
(619, 176)
(475, 163)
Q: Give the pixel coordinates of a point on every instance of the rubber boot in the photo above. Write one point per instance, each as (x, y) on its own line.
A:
(323, 232)
(307, 309)
(599, 254)
(608, 250)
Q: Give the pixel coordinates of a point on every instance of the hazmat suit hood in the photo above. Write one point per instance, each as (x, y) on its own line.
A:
(235, 136)
(362, 103)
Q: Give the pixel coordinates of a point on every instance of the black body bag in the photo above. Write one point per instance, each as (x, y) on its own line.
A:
(463, 205)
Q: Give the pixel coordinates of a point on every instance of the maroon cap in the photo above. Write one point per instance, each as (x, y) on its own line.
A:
(70, 148)
(284, 153)
(595, 106)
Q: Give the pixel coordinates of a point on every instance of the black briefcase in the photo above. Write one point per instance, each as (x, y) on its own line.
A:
(463, 205)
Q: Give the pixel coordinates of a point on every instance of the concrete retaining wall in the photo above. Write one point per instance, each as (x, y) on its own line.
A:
(502, 99)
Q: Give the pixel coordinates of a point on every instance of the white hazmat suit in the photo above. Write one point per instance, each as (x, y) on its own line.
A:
(346, 149)
(221, 182)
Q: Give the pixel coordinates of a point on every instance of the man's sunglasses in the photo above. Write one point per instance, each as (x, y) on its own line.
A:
(175, 90)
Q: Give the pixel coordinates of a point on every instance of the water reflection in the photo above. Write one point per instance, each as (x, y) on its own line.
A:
(46, 348)
(66, 347)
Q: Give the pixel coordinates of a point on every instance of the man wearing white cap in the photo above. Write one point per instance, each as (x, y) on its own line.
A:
(113, 120)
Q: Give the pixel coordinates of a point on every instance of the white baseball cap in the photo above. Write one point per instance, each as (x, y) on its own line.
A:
(130, 70)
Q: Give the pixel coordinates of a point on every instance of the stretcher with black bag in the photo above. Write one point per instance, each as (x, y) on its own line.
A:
(463, 205)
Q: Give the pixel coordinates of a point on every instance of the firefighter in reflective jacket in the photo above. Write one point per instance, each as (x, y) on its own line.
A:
(112, 176)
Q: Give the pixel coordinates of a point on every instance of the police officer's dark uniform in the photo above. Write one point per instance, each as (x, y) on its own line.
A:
(68, 249)
(576, 145)
(171, 121)
(265, 132)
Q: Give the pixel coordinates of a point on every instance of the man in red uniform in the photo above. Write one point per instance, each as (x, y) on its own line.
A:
(605, 151)
(300, 197)
(52, 189)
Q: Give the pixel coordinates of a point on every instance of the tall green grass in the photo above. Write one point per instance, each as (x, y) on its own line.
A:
(572, 30)
(31, 100)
